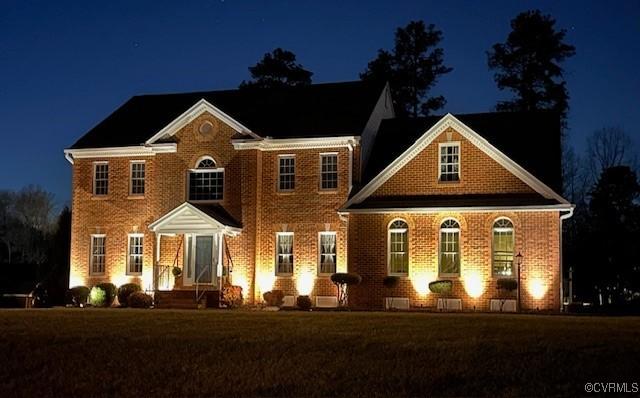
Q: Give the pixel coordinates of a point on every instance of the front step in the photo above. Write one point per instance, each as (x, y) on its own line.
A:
(185, 299)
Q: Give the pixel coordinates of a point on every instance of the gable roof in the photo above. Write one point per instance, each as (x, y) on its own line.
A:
(196, 217)
(318, 110)
(525, 143)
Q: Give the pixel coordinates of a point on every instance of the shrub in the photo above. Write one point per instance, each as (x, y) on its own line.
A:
(125, 291)
(139, 299)
(232, 296)
(274, 298)
(110, 291)
(78, 295)
(304, 303)
(441, 287)
(342, 281)
(508, 285)
(98, 297)
(391, 281)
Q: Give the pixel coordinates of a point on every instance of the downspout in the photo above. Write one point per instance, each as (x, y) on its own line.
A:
(563, 217)
(350, 146)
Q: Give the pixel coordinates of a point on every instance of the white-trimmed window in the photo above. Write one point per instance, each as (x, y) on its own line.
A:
(327, 253)
(135, 254)
(449, 161)
(286, 173)
(503, 243)
(398, 248)
(206, 181)
(284, 253)
(101, 178)
(329, 171)
(449, 248)
(98, 253)
(137, 171)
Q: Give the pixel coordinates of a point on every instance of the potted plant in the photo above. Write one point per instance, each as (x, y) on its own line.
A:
(443, 288)
(390, 282)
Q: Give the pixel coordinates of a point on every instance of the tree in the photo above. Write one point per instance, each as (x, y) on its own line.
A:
(613, 252)
(277, 69)
(412, 68)
(529, 64)
(609, 147)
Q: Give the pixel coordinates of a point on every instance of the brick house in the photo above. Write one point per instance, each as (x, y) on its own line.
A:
(280, 188)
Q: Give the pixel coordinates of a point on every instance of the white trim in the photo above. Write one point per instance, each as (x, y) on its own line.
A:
(212, 170)
(511, 229)
(450, 121)
(286, 156)
(285, 274)
(323, 155)
(128, 270)
(196, 110)
(115, 152)
(93, 187)
(131, 163)
(104, 245)
(335, 254)
(216, 226)
(270, 144)
(458, 252)
(396, 230)
(205, 157)
(444, 145)
(466, 209)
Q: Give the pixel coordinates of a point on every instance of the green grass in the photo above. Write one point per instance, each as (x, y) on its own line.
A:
(125, 352)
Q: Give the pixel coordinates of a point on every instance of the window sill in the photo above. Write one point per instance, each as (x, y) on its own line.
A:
(449, 276)
(135, 197)
(99, 197)
(403, 276)
(205, 201)
(133, 274)
(453, 182)
(284, 276)
(328, 191)
(285, 192)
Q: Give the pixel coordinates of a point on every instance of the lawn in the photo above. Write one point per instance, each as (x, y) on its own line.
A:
(125, 352)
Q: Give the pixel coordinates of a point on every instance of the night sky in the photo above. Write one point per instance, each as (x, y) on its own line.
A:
(65, 66)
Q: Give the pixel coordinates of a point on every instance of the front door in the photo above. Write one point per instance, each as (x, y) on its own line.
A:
(201, 259)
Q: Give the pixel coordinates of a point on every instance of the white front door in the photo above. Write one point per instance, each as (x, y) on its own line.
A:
(201, 259)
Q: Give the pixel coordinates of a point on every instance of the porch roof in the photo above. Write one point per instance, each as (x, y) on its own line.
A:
(197, 218)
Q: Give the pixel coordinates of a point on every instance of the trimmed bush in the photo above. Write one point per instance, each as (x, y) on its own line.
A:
(98, 297)
(110, 291)
(274, 298)
(441, 287)
(125, 291)
(343, 280)
(391, 281)
(139, 300)
(304, 303)
(78, 295)
(232, 296)
(507, 285)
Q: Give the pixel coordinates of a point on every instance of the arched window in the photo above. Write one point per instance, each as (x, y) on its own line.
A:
(503, 243)
(206, 182)
(398, 248)
(449, 248)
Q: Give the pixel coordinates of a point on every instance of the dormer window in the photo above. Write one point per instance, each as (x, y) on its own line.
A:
(206, 181)
(450, 161)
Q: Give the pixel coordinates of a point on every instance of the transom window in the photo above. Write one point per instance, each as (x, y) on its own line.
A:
(286, 173)
(329, 171)
(284, 253)
(398, 248)
(137, 177)
(450, 248)
(327, 246)
(97, 254)
(134, 261)
(206, 182)
(503, 242)
(101, 178)
(450, 162)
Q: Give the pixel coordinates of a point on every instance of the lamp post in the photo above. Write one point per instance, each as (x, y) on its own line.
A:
(519, 263)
